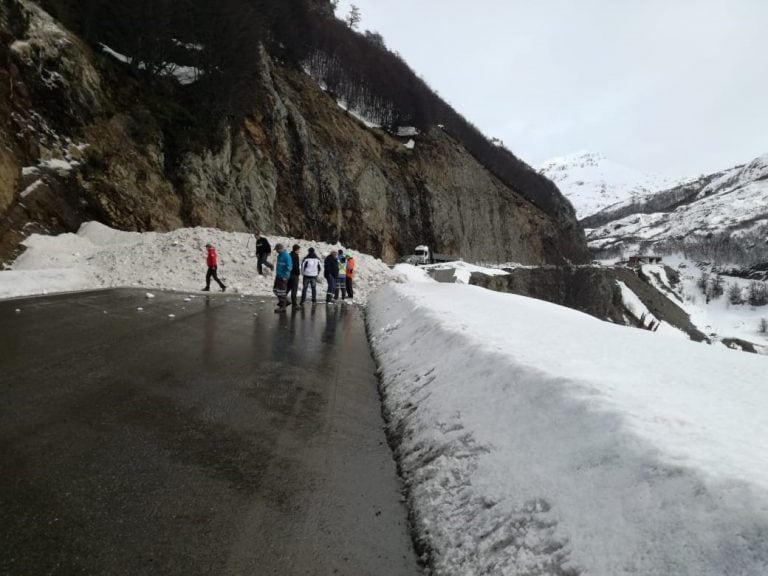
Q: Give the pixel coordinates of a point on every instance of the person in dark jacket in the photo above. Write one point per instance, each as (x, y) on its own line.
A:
(293, 281)
(282, 275)
(310, 268)
(263, 250)
(331, 273)
(212, 260)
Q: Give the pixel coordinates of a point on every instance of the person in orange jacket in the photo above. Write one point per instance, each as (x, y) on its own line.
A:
(350, 274)
(213, 264)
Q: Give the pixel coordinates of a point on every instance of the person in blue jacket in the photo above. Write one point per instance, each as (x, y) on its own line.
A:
(282, 275)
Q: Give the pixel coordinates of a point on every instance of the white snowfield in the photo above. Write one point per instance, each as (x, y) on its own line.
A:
(101, 257)
(538, 440)
(592, 182)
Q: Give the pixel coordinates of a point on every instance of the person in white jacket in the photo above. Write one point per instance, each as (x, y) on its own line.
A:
(310, 269)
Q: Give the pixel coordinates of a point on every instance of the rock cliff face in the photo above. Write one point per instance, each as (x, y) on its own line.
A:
(78, 144)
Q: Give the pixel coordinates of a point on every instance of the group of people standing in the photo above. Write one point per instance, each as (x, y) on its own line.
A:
(338, 269)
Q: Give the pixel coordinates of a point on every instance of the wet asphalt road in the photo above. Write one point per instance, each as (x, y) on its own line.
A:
(215, 442)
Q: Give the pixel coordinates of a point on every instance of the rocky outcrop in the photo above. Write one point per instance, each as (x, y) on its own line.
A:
(299, 165)
(592, 290)
(310, 170)
(589, 289)
(9, 178)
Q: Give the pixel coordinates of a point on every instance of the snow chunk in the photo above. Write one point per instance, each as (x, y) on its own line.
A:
(406, 131)
(186, 74)
(356, 114)
(636, 307)
(31, 188)
(116, 55)
(59, 164)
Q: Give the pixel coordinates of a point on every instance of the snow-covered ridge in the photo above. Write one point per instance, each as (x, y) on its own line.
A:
(592, 182)
(738, 177)
(733, 205)
(538, 440)
(101, 257)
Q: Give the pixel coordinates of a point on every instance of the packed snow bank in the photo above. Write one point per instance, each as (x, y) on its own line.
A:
(100, 257)
(538, 440)
(413, 273)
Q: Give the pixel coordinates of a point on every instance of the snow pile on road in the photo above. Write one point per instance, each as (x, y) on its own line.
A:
(100, 257)
(538, 440)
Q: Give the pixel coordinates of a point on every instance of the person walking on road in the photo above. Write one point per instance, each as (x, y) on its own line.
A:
(293, 281)
(282, 275)
(341, 277)
(331, 273)
(310, 268)
(350, 275)
(263, 250)
(212, 260)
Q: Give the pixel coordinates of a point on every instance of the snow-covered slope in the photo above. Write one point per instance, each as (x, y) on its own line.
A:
(592, 182)
(538, 440)
(726, 218)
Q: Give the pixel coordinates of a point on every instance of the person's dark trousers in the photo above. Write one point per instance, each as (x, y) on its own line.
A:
(280, 289)
(350, 292)
(212, 274)
(331, 288)
(341, 285)
(262, 261)
(293, 289)
(309, 281)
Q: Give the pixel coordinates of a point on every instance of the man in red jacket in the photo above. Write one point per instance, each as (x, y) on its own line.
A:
(213, 264)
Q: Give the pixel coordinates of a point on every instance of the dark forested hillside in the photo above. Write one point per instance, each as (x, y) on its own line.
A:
(220, 39)
(374, 80)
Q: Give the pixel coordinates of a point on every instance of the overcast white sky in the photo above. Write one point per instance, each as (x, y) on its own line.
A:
(678, 87)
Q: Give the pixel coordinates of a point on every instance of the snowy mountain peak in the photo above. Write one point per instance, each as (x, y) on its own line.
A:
(580, 159)
(592, 182)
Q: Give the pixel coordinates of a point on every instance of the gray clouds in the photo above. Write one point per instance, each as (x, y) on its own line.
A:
(673, 86)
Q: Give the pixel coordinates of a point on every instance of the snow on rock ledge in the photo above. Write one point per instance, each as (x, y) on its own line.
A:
(538, 440)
